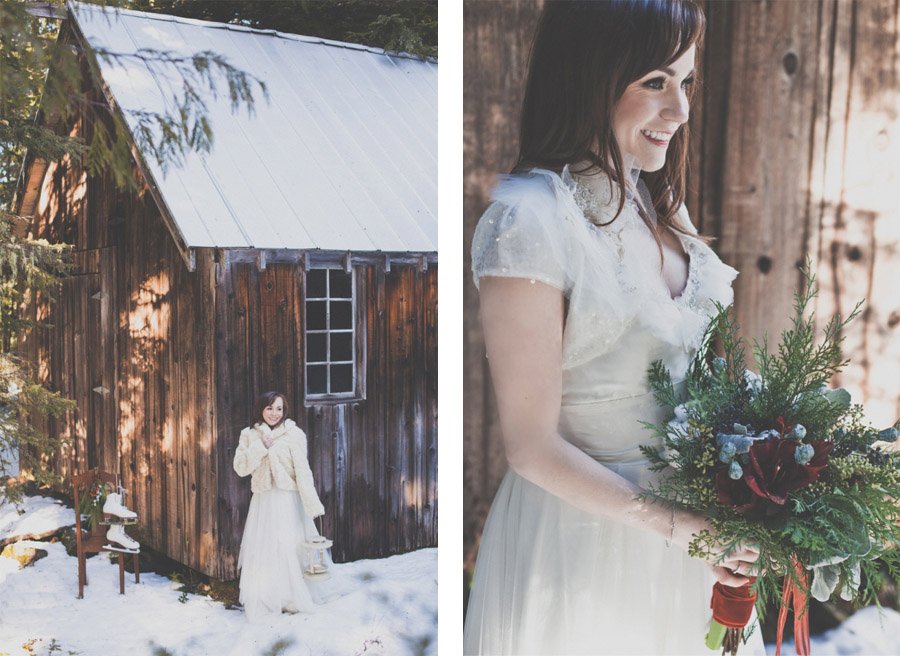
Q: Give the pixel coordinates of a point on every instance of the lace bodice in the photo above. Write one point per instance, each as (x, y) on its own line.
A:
(621, 315)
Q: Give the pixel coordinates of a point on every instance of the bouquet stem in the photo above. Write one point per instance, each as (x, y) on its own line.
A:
(716, 635)
(732, 641)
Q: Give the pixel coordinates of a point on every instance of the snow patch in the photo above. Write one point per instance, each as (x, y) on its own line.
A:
(388, 607)
(868, 632)
(35, 515)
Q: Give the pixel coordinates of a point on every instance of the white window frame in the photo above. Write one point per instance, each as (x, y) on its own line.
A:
(313, 398)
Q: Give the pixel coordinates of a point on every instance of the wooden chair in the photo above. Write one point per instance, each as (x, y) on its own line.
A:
(94, 541)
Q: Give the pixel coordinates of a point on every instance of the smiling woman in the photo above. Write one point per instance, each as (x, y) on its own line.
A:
(280, 520)
(589, 269)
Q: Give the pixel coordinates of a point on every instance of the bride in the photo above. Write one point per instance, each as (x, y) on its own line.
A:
(589, 269)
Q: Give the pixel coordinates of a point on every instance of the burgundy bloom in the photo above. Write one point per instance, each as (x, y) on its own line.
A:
(735, 493)
(773, 473)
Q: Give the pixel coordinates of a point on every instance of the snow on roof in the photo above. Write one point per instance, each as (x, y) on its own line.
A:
(343, 155)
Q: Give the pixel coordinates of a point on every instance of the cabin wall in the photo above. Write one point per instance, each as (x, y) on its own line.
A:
(131, 342)
(375, 459)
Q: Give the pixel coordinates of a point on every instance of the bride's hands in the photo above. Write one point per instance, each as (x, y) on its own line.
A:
(733, 568)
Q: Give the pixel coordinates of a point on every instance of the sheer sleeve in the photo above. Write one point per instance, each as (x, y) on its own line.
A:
(521, 236)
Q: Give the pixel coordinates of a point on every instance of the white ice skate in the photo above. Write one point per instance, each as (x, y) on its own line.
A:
(120, 541)
(117, 513)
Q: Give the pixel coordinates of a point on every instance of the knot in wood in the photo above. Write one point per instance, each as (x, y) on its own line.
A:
(791, 63)
(854, 254)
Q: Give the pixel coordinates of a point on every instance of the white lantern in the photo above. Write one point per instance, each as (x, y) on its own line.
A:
(317, 558)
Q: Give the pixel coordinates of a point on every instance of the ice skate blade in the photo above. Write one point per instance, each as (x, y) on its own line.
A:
(122, 549)
(109, 520)
(317, 576)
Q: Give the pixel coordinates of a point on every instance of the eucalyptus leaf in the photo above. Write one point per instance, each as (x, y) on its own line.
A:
(839, 398)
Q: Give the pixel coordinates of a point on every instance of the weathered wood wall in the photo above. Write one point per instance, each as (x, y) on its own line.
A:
(799, 158)
(374, 460)
(165, 363)
(132, 342)
(497, 40)
(796, 155)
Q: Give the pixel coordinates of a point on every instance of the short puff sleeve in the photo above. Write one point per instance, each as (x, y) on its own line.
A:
(522, 235)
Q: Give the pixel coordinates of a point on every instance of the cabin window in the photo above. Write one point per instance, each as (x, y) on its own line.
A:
(331, 350)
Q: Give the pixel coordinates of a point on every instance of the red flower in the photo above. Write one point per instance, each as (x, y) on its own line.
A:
(773, 473)
(735, 493)
(783, 427)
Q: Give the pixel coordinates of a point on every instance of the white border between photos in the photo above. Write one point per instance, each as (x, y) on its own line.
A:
(450, 303)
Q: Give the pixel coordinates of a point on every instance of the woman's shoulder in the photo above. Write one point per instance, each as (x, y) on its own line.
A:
(293, 431)
(536, 190)
(520, 235)
(250, 430)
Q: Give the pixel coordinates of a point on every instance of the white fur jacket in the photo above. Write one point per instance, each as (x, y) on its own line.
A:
(282, 466)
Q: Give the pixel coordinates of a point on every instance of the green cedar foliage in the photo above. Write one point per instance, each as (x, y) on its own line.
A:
(850, 512)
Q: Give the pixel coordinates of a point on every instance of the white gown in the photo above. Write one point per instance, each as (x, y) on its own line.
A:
(273, 557)
(550, 578)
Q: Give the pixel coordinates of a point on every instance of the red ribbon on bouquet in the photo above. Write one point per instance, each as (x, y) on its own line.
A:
(796, 587)
(732, 606)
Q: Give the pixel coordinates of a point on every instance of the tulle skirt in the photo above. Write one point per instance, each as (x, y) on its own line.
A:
(551, 579)
(273, 557)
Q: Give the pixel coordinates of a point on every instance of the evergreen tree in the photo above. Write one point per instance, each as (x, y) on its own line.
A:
(41, 92)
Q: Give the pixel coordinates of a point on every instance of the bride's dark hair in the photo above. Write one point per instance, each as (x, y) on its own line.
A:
(584, 56)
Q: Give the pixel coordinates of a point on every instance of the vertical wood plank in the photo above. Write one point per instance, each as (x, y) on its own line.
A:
(497, 39)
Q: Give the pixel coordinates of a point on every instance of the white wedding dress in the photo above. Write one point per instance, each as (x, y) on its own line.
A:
(550, 578)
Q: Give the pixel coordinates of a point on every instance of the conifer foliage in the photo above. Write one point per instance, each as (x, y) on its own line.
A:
(781, 461)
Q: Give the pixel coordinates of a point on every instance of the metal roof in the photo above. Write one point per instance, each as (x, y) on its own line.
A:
(343, 156)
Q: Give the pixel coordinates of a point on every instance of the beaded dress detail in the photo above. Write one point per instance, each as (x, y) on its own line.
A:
(550, 578)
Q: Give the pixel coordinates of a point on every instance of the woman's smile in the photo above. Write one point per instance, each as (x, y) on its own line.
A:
(657, 138)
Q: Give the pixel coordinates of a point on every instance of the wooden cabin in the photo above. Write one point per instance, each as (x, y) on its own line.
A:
(298, 255)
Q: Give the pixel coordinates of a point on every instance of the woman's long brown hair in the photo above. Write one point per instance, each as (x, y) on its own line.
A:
(584, 56)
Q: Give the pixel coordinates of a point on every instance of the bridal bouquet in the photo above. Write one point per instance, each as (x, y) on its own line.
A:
(780, 461)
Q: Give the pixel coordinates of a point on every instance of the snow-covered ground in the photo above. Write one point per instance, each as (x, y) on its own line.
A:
(868, 632)
(35, 516)
(389, 607)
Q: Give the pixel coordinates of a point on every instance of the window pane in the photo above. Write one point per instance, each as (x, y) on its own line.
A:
(315, 283)
(341, 286)
(341, 346)
(341, 315)
(315, 315)
(315, 347)
(341, 378)
(316, 379)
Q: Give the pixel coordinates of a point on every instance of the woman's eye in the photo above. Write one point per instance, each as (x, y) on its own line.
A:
(688, 82)
(657, 83)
